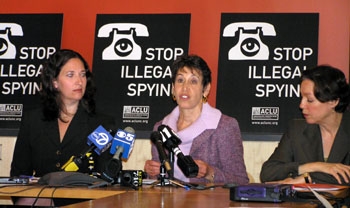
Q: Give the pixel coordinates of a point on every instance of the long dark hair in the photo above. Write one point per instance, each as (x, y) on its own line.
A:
(50, 97)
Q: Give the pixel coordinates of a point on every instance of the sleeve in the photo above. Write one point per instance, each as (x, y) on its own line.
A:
(232, 167)
(281, 163)
(21, 161)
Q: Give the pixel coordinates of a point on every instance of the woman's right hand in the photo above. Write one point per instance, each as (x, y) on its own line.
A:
(152, 168)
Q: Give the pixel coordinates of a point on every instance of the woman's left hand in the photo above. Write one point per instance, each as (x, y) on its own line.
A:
(338, 170)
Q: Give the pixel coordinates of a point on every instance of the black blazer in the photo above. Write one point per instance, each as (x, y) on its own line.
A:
(302, 143)
(38, 149)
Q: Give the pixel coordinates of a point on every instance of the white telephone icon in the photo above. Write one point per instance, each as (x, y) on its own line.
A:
(249, 46)
(123, 46)
(7, 48)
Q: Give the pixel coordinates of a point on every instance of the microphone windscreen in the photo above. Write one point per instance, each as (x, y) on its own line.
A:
(129, 129)
(156, 136)
(161, 127)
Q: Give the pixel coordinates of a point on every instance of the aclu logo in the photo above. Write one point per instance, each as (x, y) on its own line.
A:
(265, 113)
(13, 110)
(136, 112)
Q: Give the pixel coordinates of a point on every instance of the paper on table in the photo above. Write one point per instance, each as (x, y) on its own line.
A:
(318, 187)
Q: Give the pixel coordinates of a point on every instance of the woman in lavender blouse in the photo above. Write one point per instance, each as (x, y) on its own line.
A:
(211, 138)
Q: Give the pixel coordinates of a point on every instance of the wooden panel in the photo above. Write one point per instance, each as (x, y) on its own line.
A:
(255, 154)
(7, 145)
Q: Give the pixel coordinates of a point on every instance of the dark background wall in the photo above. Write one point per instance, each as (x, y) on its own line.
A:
(80, 18)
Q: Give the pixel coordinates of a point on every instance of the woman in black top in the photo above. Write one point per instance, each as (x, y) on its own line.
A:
(51, 134)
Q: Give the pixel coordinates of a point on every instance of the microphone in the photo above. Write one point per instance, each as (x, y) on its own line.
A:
(99, 140)
(171, 142)
(156, 138)
(121, 148)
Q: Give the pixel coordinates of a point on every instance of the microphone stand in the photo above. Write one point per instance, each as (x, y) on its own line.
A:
(171, 161)
(171, 180)
(162, 175)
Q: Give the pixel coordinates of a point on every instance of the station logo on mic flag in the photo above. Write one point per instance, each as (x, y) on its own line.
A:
(100, 137)
(125, 139)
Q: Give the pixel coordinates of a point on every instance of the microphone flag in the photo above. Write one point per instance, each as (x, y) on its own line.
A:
(101, 139)
(125, 139)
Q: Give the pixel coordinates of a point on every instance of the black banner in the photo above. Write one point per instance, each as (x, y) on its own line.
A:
(260, 63)
(26, 41)
(132, 59)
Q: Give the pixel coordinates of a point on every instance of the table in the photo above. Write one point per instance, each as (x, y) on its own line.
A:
(176, 197)
(146, 197)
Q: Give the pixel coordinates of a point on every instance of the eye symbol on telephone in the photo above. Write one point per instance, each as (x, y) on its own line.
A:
(249, 45)
(123, 46)
(7, 48)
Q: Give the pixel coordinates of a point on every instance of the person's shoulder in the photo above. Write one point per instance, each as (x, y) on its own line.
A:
(298, 125)
(104, 118)
(227, 122)
(345, 123)
(157, 124)
(346, 116)
(32, 118)
(297, 122)
(97, 118)
(227, 119)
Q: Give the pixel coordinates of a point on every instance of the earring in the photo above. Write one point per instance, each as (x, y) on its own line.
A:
(204, 99)
(174, 98)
